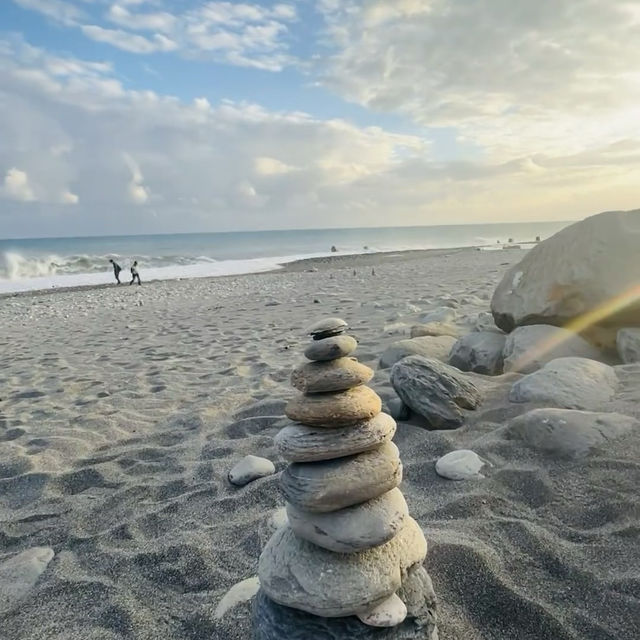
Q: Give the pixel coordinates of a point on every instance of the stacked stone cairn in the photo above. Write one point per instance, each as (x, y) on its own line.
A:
(350, 555)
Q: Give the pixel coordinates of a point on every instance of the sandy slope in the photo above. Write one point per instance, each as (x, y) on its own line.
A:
(122, 410)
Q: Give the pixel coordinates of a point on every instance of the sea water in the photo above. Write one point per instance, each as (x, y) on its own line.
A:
(43, 263)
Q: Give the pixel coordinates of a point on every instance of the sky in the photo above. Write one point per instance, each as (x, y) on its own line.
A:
(164, 116)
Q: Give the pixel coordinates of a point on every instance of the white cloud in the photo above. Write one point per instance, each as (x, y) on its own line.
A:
(59, 10)
(137, 191)
(66, 197)
(128, 41)
(271, 166)
(17, 187)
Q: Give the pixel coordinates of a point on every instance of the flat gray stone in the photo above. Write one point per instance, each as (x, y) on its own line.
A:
(299, 443)
(437, 347)
(19, 574)
(568, 383)
(461, 464)
(327, 327)
(301, 575)
(567, 432)
(435, 329)
(250, 468)
(338, 409)
(331, 348)
(335, 484)
(272, 621)
(434, 390)
(480, 352)
(355, 528)
(528, 348)
(628, 345)
(336, 375)
(439, 314)
(389, 613)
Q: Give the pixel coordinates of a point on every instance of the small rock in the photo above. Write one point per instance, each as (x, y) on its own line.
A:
(335, 484)
(480, 352)
(327, 327)
(440, 314)
(434, 390)
(569, 383)
(528, 348)
(250, 468)
(435, 329)
(628, 345)
(398, 410)
(389, 613)
(567, 432)
(19, 574)
(336, 409)
(331, 348)
(427, 346)
(462, 464)
(484, 322)
(239, 593)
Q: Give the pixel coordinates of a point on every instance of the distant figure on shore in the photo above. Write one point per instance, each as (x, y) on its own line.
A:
(116, 269)
(333, 249)
(537, 238)
(134, 273)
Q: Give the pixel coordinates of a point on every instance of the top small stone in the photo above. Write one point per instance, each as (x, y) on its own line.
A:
(327, 327)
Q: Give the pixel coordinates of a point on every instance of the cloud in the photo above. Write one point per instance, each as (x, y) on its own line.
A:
(510, 76)
(17, 187)
(227, 165)
(234, 33)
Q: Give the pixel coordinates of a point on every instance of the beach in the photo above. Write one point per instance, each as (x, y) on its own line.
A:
(123, 408)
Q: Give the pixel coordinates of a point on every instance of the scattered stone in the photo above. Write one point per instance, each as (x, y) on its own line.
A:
(628, 344)
(528, 348)
(435, 329)
(355, 528)
(19, 574)
(569, 383)
(334, 375)
(331, 348)
(299, 443)
(398, 410)
(250, 468)
(578, 270)
(567, 432)
(428, 346)
(389, 613)
(480, 352)
(462, 464)
(440, 314)
(484, 322)
(420, 599)
(299, 574)
(335, 409)
(434, 390)
(239, 593)
(335, 484)
(327, 327)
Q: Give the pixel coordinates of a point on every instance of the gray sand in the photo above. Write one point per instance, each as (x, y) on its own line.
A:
(122, 409)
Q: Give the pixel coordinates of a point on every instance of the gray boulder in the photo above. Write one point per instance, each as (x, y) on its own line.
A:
(567, 432)
(299, 574)
(569, 383)
(628, 344)
(528, 348)
(434, 390)
(574, 272)
(427, 346)
(480, 352)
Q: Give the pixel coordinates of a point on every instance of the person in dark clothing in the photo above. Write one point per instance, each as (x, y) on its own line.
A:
(134, 273)
(116, 270)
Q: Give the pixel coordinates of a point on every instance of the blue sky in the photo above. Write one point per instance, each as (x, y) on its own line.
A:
(202, 115)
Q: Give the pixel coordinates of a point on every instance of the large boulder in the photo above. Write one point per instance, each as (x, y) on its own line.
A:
(480, 351)
(528, 348)
(628, 343)
(591, 267)
(427, 346)
(567, 432)
(570, 383)
(434, 390)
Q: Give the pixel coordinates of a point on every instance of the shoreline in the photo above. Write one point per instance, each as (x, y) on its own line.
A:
(352, 260)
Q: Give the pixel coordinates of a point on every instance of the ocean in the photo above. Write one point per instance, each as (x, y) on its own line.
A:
(44, 263)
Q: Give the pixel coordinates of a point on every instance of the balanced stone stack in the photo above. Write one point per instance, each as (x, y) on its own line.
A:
(350, 555)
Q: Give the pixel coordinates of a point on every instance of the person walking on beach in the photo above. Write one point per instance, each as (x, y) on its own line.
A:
(116, 269)
(134, 273)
